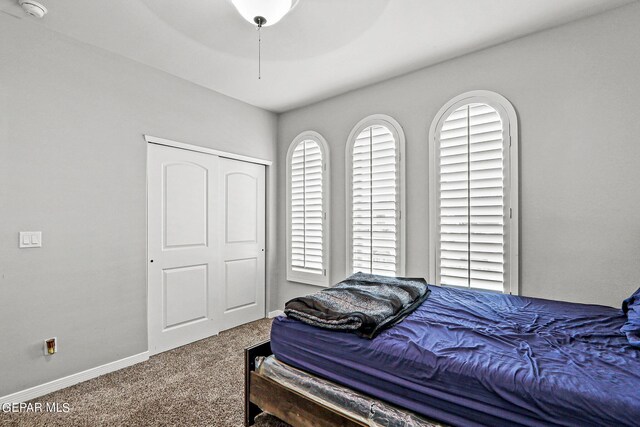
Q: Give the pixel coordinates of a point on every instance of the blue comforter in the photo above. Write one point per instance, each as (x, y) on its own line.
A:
(475, 358)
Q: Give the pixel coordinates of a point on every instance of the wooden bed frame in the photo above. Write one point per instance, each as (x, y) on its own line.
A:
(263, 394)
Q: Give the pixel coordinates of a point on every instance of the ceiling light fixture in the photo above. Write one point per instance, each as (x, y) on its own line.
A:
(263, 13)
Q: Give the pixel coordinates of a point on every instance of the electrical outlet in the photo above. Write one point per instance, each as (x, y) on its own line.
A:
(51, 346)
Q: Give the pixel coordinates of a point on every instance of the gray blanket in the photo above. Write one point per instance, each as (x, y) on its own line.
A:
(362, 303)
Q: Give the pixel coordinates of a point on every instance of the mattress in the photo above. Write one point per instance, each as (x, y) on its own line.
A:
(478, 358)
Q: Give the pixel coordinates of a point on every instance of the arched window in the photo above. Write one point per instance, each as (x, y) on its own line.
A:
(474, 199)
(307, 210)
(375, 197)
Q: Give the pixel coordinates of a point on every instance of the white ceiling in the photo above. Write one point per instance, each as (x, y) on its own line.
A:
(322, 48)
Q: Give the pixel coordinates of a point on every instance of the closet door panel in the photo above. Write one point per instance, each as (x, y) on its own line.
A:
(182, 246)
(242, 249)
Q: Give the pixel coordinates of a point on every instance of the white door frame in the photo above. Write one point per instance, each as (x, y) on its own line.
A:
(170, 143)
(150, 139)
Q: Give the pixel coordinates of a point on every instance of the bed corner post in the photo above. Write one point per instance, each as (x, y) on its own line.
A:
(251, 410)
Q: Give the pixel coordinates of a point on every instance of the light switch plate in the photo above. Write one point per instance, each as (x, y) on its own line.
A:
(31, 239)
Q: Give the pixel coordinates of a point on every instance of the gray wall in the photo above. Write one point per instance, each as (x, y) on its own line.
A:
(73, 164)
(576, 90)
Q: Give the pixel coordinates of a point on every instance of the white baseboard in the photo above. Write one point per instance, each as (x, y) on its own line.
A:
(51, 386)
(275, 313)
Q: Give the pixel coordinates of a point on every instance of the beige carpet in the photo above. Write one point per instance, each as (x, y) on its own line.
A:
(201, 384)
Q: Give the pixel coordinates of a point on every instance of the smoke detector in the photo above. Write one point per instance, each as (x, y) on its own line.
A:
(33, 8)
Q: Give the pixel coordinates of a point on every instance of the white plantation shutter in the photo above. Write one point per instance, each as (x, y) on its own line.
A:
(375, 202)
(307, 209)
(471, 217)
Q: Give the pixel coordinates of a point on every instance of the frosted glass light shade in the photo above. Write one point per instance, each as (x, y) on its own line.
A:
(271, 10)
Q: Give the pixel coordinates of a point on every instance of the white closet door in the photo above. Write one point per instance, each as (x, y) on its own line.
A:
(242, 242)
(182, 246)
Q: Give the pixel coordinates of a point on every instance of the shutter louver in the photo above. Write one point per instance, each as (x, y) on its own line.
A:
(471, 196)
(307, 213)
(374, 202)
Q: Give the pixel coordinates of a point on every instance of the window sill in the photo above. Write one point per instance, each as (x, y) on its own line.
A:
(308, 279)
